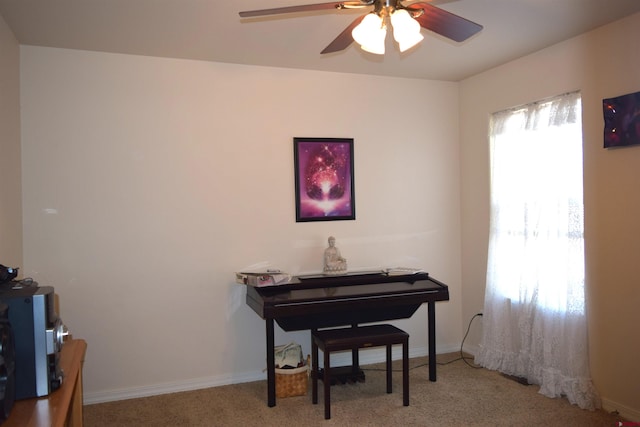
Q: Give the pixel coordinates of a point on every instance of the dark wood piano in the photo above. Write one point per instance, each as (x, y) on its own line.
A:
(313, 302)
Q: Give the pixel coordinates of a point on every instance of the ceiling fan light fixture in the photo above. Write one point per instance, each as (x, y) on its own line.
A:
(415, 15)
(406, 30)
(370, 34)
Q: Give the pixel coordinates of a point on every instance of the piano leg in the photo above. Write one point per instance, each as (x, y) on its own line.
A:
(355, 362)
(271, 367)
(431, 309)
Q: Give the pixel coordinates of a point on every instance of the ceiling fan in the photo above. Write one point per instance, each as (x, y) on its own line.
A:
(369, 30)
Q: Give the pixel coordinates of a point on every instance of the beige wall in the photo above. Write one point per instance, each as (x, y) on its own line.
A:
(152, 180)
(10, 163)
(603, 63)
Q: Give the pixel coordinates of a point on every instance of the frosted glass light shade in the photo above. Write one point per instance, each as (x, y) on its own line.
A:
(406, 30)
(370, 34)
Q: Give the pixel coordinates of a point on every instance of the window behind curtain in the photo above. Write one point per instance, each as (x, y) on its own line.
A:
(537, 231)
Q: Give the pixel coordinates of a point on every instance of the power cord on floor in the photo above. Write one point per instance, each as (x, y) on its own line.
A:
(462, 356)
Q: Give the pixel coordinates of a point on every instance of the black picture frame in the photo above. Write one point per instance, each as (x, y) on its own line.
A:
(324, 179)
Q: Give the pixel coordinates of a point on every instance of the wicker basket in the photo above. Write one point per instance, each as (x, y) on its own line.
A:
(292, 382)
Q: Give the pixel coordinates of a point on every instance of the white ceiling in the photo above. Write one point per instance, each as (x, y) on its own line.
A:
(211, 30)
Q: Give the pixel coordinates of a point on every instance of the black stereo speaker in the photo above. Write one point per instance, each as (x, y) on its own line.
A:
(7, 364)
(39, 334)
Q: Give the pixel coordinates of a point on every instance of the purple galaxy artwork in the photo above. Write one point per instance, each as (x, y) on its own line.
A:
(325, 179)
(621, 120)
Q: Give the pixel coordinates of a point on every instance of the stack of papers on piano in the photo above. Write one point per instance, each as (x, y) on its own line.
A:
(263, 278)
(402, 271)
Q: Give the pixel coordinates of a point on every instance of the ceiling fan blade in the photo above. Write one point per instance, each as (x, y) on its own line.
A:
(344, 39)
(445, 23)
(306, 8)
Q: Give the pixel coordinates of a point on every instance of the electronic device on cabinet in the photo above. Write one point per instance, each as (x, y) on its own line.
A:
(38, 337)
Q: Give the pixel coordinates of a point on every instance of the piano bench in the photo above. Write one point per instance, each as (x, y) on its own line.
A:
(356, 337)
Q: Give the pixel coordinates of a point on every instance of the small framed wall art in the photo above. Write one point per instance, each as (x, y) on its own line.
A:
(324, 179)
(621, 120)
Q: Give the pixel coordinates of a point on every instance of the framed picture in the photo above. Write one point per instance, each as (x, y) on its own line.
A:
(324, 179)
(621, 120)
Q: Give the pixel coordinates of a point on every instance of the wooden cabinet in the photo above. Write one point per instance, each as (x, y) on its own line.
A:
(62, 407)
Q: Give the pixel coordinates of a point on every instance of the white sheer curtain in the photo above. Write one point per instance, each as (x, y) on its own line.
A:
(534, 322)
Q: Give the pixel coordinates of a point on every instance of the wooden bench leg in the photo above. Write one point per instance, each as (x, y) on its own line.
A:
(405, 373)
(314, 372)
(389, 381)
(327, 386)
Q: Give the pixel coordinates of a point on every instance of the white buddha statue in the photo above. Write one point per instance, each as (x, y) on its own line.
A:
(333, 261)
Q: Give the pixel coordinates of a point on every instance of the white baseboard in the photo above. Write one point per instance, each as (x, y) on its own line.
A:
(366, 358)
(471, 349)
(172, 387)
(624, 411)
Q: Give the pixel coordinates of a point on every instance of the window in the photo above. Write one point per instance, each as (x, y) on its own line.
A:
(537, 225)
